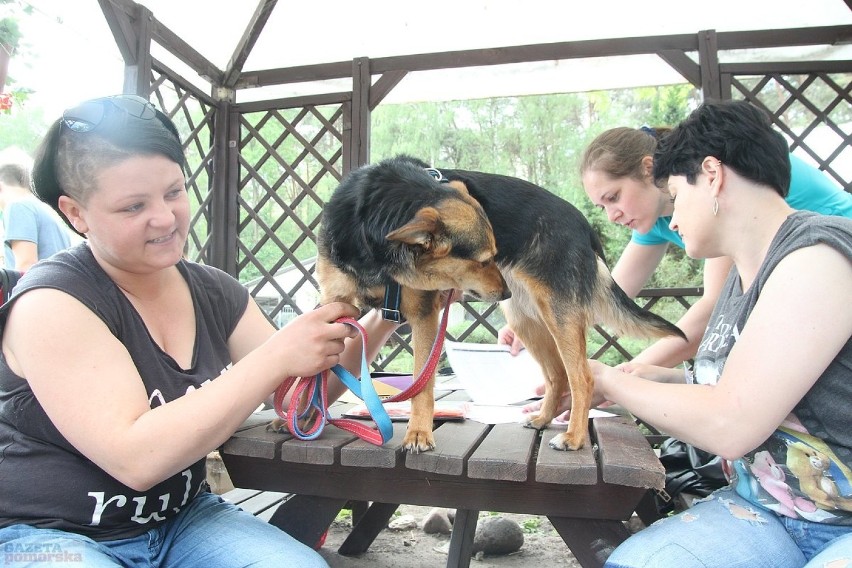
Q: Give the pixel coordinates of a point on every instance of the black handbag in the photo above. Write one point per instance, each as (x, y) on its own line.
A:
(688, 470)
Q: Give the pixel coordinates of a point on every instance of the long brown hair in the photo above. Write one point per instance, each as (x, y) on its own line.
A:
(618, 152)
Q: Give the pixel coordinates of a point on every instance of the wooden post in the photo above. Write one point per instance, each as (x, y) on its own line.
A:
(361, 115)
(708, 61)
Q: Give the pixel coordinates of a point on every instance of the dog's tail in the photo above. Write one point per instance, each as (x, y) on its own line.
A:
(615, 309)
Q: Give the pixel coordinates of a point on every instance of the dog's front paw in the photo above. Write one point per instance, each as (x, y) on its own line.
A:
(563, 442)
(416, 441)
(277, 425)
(536, 421)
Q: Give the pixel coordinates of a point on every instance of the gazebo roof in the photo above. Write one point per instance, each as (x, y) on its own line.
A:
(249, 44)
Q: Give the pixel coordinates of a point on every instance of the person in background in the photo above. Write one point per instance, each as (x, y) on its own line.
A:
(32, 230)
(616, 171)
(773, 369)
(149, 362)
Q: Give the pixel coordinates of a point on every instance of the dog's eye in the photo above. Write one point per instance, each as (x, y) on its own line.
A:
(486, 263)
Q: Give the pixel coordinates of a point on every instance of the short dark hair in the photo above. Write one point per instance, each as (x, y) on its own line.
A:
(738, 134)
(67, 162)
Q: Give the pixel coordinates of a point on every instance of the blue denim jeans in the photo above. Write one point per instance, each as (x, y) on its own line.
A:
(725, 530)
(208, 533)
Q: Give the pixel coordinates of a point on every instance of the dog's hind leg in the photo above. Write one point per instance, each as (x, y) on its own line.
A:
(539, 342)
(570, 336)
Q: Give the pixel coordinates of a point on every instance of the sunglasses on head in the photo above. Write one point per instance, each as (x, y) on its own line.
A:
(87, 116)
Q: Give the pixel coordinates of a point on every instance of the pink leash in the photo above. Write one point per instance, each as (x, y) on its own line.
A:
(316, 390)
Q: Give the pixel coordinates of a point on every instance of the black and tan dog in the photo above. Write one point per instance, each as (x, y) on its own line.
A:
(494, 237)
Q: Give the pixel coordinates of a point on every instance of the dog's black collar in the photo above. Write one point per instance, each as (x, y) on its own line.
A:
(437, 175)
(393, 291)
(390, 308)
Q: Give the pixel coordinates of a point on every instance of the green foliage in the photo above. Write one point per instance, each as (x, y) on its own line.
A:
(22, 128)
(538, 138)
(541, 139)
(531, 525)
(10, 34)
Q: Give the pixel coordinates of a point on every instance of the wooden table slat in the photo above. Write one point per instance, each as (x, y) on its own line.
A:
(625, 455)
(361, 453)
(577, 467)
(504, 454)
(257, 418)
(255, 442)
(321, 451)
(454, 441)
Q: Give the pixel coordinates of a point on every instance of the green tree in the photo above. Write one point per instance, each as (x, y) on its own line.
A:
(538, 138)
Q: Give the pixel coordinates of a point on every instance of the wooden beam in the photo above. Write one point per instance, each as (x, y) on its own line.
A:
(755, 39)
(186, 53)
(177, 79)
(385, 85)
(118, 17)
(247, 41)
(785, 67)
(294, 102)
(170, 41)
(683, 64)
(831, 35)
(474, 58)
(297, 74)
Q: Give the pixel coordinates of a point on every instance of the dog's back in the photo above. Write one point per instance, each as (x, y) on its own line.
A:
(549, 240)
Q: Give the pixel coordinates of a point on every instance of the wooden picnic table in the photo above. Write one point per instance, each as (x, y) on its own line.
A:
(586, 494)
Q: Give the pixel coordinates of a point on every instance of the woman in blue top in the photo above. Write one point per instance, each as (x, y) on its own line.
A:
(617, 176)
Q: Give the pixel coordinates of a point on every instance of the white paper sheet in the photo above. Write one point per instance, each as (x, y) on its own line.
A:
(491, 375)
(492, 414)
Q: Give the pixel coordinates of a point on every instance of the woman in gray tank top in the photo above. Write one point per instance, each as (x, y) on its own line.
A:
(772, 388)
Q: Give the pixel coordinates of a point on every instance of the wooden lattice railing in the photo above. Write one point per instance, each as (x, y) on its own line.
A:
(816, 121)
(290, 160)
(480, 322)
(290, 163)
(192, 112)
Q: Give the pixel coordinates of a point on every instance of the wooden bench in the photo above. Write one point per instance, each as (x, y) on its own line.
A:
(261, 504)
(476, 467)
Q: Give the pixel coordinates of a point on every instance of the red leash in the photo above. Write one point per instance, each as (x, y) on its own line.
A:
(316, 391)
(431, 363)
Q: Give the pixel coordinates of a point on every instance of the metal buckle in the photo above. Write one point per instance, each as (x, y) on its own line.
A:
(391, 315)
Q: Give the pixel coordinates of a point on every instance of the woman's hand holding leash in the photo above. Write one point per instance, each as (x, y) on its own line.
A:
(314, 341)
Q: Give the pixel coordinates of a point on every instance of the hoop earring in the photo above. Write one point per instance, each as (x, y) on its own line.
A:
(715, 206)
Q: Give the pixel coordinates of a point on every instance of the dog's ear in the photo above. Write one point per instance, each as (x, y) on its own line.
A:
(459, 185)
(424, 231)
